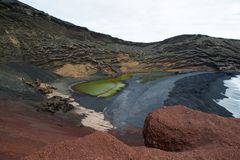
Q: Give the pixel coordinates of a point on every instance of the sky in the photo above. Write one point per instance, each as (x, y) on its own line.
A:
(148, 20)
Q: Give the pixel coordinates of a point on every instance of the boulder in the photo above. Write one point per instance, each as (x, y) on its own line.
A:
(179, 128)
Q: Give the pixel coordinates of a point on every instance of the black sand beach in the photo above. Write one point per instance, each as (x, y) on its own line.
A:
(197, 90)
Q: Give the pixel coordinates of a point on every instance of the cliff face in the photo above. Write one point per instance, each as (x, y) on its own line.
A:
(32, 36)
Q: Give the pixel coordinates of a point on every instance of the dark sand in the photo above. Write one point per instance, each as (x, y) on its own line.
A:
(129, 108)
(199, 92)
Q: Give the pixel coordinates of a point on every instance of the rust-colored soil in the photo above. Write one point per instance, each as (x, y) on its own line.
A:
(24, 131)
(211, 137)
(179, 129)
(99, 145)
(176, 133)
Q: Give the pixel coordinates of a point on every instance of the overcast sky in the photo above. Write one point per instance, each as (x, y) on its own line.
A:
(148, 20)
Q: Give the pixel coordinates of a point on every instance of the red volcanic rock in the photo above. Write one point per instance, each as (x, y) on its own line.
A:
(181, 129)
(188, 134)
(99, 145)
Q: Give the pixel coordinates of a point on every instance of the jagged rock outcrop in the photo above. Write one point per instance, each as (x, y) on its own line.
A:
(30, 35)
(179, 128)
(53, 103)
(39, 86)
(56, 103)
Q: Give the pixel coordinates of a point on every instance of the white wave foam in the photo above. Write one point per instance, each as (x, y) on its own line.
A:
(232, 102)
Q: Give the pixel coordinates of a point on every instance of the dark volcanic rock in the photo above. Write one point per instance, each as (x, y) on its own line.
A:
(199, 92)
(56, 103)
(182, 129)
(30, 35)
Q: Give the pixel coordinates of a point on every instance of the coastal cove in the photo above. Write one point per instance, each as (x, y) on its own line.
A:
(146, 92)
(70, 92)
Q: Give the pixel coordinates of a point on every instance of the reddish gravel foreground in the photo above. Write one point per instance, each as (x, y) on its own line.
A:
(99, 145)
(174, 133)
(188, 134)
(24, 131)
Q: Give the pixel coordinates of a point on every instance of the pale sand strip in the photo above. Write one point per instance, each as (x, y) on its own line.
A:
(92, 119)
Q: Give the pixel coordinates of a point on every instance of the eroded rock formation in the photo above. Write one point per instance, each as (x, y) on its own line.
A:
(56, 103)
(30, 35)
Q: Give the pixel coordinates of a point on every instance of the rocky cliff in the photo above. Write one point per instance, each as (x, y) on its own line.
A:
(32, 36)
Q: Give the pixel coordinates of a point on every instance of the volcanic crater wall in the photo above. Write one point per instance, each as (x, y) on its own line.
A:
(32, 36)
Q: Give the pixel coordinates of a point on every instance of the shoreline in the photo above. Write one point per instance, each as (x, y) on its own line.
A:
(200, 93)
(116, 108)
(231, 99)
(75, 123)
(202, 89)
(92, 119)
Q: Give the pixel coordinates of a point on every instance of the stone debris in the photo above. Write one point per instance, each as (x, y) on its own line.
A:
(39, 86)
(57, 103)
(54, 102)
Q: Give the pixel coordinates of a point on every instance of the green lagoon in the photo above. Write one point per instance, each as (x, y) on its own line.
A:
(102, 88)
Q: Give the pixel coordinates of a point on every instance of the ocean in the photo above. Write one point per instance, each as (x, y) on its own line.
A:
(232, 100)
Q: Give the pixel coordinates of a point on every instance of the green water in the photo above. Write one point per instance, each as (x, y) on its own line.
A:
(103, 87)
(110, 87)
(149, 77)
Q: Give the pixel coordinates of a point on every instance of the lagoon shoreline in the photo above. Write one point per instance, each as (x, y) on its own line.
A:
(201, 92)
(197, 90)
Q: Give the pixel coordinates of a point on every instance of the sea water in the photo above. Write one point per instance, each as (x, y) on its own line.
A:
(232, 100)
